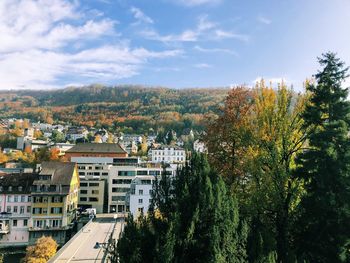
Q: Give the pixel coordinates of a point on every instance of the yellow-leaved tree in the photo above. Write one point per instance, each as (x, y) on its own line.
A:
(42, 251)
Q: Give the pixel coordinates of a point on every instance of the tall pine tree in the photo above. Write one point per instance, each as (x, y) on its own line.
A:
(325, 213)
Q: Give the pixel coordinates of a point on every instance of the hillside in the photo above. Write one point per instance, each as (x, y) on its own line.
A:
(135, 108)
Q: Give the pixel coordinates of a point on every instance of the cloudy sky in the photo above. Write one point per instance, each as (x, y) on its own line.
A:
(175, 43)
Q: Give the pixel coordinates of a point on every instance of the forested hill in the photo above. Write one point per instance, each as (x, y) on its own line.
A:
(135, 107)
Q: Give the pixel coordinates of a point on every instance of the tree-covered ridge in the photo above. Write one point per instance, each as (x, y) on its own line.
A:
(130, 106)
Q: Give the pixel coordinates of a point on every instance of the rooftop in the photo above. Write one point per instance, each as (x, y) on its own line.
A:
(61, 172)
(96, 148)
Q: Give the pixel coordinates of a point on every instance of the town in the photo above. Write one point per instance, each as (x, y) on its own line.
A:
(85, 170)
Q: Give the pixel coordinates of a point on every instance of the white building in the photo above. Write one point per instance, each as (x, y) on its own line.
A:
(140, 196)
(167, 154)
(120, 180)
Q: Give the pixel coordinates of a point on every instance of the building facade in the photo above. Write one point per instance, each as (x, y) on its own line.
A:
(15, 209)
(120, 181)
(54, 201)
(167, 154)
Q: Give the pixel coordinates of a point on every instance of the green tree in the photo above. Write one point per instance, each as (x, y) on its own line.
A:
(324, 233)
(57, 136)
(193, 217)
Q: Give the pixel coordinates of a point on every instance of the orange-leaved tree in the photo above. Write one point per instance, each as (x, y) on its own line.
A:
(42, 251)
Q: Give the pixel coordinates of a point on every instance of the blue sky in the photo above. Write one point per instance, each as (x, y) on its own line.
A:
(174, 43)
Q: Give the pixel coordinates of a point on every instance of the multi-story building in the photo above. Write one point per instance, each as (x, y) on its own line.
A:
(15, 208)
(94, 161)
(120, 179)
(167, 154)
(54, 201)
(93, 174)
(140, 196)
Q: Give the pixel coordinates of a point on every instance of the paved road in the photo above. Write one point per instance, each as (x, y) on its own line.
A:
(82, 248)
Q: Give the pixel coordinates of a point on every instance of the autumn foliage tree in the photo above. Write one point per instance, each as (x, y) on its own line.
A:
(254, 143)
(228, 137)
(42, 251)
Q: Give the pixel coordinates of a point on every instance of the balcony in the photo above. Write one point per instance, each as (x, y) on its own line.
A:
(5, 215)
(49, 228)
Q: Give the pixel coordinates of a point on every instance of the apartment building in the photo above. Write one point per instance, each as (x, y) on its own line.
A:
(140, 196)
(167, 154)
(54, 201)
(94, 161)
(15, 208)
(120, 180)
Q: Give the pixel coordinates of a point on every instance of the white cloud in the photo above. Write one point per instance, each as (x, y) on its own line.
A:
(264, 20)
(222, 34)
(45, 44)
(203, 29)
(191, 3)
(202, 65)
(186, 36)
(140, 16)
(215, 50)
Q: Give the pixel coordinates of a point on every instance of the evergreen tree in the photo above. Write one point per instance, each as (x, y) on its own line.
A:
(324, 233)
(193, 218)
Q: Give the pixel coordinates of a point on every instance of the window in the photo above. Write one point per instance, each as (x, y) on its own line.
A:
(150, 192)
(93, 199)
(83, 199)
(20, 188)
(44, 210)
(94, 184)
(37, 199)
(121, 181)
(83, 184)
(83, 191)
(23, 198)
(21, 210)
(25, 222)
(39, 223)
(140, 201)
(126, 173)
(118, 198)
(142, 172)
(55, 223)
(28, 209)
(15, 209)
(14, 222)
(140, 192)
(9, 198)
(95, 192)
(120, 190)
(37, 210)
(56, 210)
(45, 199)
(57, 199)
(81, 173)
(15, 198)
(8, 209)
(29, 198)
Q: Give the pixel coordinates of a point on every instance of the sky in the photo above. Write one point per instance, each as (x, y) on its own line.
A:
(172, 43)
